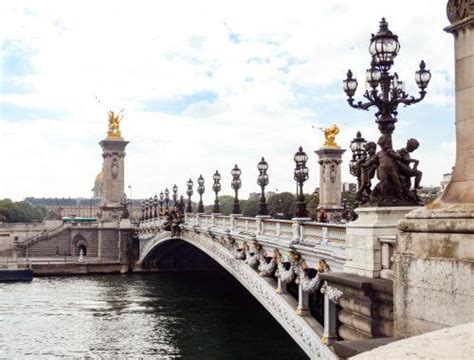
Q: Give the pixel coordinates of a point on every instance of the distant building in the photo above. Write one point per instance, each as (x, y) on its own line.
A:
(428, 194)
(98, 185)
(254, 196)
(446, 179)
(349, 187)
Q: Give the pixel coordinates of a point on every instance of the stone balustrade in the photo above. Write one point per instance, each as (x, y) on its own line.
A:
(388, 244)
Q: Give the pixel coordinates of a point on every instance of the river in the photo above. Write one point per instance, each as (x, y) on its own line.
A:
(168, 315)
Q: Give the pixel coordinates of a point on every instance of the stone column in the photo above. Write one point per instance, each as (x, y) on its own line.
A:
(281, 286)
(434, 256)
(113, 172)
(330, 186)
(303, 300)
(460, 189)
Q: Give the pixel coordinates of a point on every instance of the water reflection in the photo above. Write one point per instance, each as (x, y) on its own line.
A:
(161, 315)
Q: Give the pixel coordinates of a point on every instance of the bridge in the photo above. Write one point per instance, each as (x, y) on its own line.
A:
(280, 262)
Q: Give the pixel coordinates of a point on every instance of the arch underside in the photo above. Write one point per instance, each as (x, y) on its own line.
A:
(304, 330)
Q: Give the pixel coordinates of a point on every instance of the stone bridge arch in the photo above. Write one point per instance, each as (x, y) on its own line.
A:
(306, 331)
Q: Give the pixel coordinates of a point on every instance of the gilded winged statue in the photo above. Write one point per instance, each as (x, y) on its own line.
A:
(330, 135)
(114, 124)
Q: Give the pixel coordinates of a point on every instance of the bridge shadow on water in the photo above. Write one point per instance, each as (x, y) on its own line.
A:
(215, 317)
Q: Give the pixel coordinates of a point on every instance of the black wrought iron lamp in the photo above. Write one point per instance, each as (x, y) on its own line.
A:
(262, 181)
(216, 187)
(189, 192)
(236, 185)
(201, 189)
(300, 176)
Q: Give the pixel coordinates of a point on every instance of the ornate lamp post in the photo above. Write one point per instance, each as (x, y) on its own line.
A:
(300, 176)
(236, 185)
(143, 210)
(167, 198)
(216, 187)
(155, 206)
(125, 203)
(162, 200)
(385, 91)
(189, 192)
(146, 209)
(200, 191)
(262, 181)
(181, 204)
(357, 146)
(175, 195)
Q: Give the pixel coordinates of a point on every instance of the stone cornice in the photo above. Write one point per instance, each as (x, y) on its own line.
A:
(460, 14)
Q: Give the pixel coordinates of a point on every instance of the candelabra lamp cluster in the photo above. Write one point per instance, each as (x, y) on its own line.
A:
(300, 176)
(385, 91)
(236, 184)
(216, 187)
(262, 181)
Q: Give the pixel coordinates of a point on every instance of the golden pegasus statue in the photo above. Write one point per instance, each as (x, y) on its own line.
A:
(114, 125)
(330, 135)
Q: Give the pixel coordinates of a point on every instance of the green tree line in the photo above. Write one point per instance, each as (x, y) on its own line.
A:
(20, 211)
(280, 206)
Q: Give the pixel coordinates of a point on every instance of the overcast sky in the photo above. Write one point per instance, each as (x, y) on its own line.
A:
(205, 85)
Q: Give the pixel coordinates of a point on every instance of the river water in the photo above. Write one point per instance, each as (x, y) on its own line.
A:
(199, 315)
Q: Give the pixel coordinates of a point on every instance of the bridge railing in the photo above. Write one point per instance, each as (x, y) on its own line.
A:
(309, 232)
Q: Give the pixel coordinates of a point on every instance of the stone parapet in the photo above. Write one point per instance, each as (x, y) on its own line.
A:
(363, 246)
(366, 306)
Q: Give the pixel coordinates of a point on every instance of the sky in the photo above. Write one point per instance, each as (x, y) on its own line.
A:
(206, 85)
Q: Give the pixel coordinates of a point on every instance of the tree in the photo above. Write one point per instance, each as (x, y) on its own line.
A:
(20, 211)
(282, 205)
(249, 207)
(312, 203)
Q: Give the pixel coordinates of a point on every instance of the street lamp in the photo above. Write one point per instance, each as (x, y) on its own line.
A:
(146, 209)
(124, 202)
(175, 195)
(143, 210)
(200, 190)
(386, 92)
(181, 204)
(236, 185)
(262, 181)
(189, 192)
(155, 206)
(167, 198)
(216, 187)
(357, 146)
(300, 176)
(162, 200)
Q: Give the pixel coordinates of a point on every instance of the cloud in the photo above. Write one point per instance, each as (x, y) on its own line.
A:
(204, 85)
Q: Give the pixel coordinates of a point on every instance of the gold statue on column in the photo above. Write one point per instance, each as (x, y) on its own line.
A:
(114, 125)
(330, 135)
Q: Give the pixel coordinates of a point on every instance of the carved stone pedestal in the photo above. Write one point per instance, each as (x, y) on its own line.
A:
(434, 276)
(113, 172)
(330, 185)
(363, 246)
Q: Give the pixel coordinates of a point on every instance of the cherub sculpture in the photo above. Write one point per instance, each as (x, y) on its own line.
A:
(406, 171)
